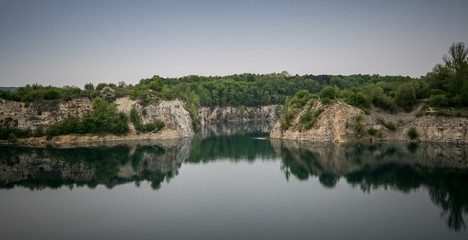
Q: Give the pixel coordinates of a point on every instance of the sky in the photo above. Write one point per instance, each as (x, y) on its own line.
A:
(68, 42)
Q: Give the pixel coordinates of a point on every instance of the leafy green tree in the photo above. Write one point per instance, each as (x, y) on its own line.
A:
(457, 57)
(89, 87)
(412, 133)
(406, 95)
(328, 92)
(100, 86)
(108, 94)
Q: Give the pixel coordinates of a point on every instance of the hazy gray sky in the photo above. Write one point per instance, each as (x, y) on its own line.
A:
(73, 42)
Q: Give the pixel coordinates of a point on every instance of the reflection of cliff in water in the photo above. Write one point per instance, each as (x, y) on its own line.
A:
(234, 148)
(235, 141)
(234, 129)
(441, 168)
(37, 168)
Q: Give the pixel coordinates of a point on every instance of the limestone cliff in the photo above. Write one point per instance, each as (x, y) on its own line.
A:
(41, 114)
(338, 123)
(209, 115)
(177, 120)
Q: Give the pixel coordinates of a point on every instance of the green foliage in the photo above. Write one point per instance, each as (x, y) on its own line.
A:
(389, 125)
(104, 119)
(406, 96)
(310, 120)
(372, 131)
(108, 94)
(358, 129)
(412, 133)
(438, 100)
(149, 127)
(134, 116)
(358, 100)
(287, 113)
(38, 132)
(300, 98)
(89, 87)
(11, 133)
(328, 92)
(158, 125)
(39, 93)
(156, 85)
(359, 117)
(101, 86)
(380, 99)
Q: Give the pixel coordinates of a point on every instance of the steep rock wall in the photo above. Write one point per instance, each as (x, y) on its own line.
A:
(177, 120)
(41, 114)
(336, 124)
(209, 115)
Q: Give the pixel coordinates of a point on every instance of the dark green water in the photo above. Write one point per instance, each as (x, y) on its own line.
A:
(235, 187)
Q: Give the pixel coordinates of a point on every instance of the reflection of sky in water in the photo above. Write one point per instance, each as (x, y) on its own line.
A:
(246, 188)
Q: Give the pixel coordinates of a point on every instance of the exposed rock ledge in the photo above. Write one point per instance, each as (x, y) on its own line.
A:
(177, 120)
(336, 124)
(210, 115)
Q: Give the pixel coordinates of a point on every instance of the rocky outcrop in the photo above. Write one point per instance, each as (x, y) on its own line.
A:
(209, 115)
(338, 123)
(177, 120)
(16, 114)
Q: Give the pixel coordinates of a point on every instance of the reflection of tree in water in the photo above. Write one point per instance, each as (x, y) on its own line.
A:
(235, 148)
(36, 168)
(399, 166)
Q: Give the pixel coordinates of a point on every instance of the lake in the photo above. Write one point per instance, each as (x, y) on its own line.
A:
(238, 186)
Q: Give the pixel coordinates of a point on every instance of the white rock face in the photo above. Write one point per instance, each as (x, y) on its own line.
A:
(209, 115)
(178, 123)
(336, 124)
(44, 115)
(175, 117)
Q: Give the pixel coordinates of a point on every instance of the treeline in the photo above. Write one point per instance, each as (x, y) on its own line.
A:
(232, 90)
(445, 89)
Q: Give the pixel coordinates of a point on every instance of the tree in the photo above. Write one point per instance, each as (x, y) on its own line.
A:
(89, 86)
(456, 61)
(406, 95)
(108, 94)
(457, 56)
(122, 84)
(328, 92)
(155, 85)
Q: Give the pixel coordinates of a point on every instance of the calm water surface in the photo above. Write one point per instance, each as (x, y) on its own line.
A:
(235, 187)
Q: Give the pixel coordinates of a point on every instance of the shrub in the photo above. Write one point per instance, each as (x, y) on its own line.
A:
(357, 100)
(53, 130)
(313, 118)
(406, 95)
(158, 125)
(390, 126)
(108, 94)
(328, 92)
(358, 129)
(412, 133)
(372, 131)
(359, 117)
(301, 97)
(10, 132)
(39, 132)
(438, 100)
